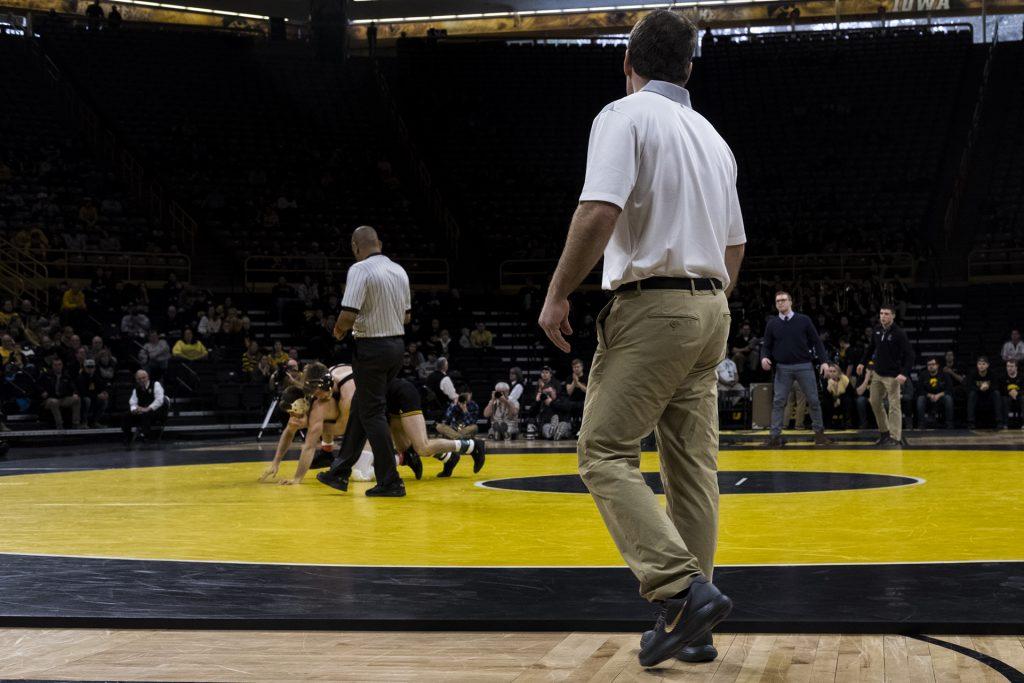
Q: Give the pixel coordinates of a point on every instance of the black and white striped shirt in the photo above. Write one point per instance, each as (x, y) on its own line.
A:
(377, 291)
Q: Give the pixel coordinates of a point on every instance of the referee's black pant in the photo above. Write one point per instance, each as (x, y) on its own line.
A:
(375, 363)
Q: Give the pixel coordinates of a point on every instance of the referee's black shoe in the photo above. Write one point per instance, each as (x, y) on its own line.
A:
(449, 466)
(333, 481)
(396, 489)
(479, 455)
(685, 620)
(413, 462)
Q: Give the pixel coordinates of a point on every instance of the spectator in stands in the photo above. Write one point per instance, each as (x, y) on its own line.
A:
(77, 361)
(94, 14)
(88, 215)
(440, 384)
(277, 355)
(730, 391)
(460, 418)
(444, 343)
(190, 349)
(135, 324)
(952, 370)
(517, 384)
(546, 380)
(146, 405)
(481, 337)
(408, 370)
(464, 341)
(841, 399)
(503, 412)
(95, 394)
(934, 391)
(210, 324)
(416, 357)
(73, 307)
(744, 349)
(1013, 398)
(282, 295)
(7, 312)
(427, 367)
(254, 363)
(863, 401)
(58, 391)
(106, 364)
(983, 387)
(1014, 349)
(552, 425)
(155, 355)
(173, 289)
(113, 18)
(575, 389)
(308, 292)
(96, 346)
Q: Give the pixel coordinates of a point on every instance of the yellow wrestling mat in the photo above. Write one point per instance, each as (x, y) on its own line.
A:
(968, 507)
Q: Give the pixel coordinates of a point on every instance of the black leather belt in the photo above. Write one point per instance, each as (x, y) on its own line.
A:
(704, 284)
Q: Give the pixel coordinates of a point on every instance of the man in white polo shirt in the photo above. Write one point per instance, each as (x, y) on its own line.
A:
(660, 202)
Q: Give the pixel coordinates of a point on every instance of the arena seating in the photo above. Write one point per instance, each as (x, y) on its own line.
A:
(849, 155)
(269, 150)
(48, 174)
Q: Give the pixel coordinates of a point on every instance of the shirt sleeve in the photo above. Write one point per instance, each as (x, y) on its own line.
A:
(133, 402)
(449, 388)
(737, 234)
(613, 158)
(158, 396)
(355, 290)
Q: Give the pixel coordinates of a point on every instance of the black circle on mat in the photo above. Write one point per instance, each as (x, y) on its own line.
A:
(728, 482)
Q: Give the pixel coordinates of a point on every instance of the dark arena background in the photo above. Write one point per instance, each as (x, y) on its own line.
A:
(179, 187)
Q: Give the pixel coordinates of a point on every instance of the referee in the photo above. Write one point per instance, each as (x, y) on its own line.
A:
(660, 202)
(375, 307)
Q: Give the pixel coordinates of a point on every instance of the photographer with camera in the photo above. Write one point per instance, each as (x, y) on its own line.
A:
(503, 412)
(460, 418)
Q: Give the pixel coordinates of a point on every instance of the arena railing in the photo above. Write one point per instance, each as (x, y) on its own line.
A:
(262, 272)
(995, 265)
(125, 265)
(515, 274)
(22, 274)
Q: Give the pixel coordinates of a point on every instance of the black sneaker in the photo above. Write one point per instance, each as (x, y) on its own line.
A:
(904, 442)
(773, 442)
(333, 481)
(685, 620)
(413, 462)
(699, 651)
(883, 439)
(395, 490)
(321, 460)
(449, 466)
(479, 455)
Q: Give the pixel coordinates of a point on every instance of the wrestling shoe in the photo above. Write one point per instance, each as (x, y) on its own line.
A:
(449, 466)
(413, 462)
(479, 455)
(684, 620)
(335, 482)
(393, 490)
(321, 459)
(700, 650)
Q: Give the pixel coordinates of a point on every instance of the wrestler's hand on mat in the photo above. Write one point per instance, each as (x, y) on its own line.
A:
(554, 320)
(289, 482)
(269, 474)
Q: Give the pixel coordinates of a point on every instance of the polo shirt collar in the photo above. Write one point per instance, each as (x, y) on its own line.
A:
(672, 91)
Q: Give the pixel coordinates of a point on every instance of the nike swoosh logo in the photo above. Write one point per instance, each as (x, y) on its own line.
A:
(679, 615)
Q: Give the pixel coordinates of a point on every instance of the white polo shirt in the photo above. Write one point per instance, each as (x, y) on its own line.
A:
(674, 178)
(377, 291)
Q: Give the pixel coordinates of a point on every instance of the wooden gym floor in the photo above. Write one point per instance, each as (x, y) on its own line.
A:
(254, 655)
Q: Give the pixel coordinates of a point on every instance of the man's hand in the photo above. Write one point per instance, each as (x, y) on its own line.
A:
(269, 474)
(823, 369)
(290, 482)
(766, 364)
(860, 368)
(901, 378)
(339, 333)
(554, 320)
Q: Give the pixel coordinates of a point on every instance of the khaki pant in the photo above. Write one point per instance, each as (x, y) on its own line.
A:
(655, 369)
(54, 405)
(466, 432)
(882, 388)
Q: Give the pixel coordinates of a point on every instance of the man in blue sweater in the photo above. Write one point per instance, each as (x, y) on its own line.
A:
(788, 341)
